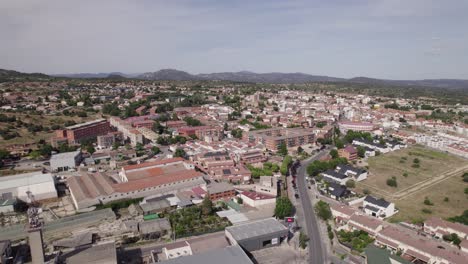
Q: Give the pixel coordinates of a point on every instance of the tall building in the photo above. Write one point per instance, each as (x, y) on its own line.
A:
(272, 138)
(77, 133)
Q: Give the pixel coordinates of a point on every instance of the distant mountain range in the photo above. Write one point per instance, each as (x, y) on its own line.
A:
(246, 76)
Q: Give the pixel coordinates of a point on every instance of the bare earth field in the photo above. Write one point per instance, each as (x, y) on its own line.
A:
(44, 120)
(437, 177)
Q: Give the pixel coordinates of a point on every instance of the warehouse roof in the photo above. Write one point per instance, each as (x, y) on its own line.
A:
(153, 226)
(256, 229)
(101, 253)
(228, 255)
(25, 179)
(66, 155)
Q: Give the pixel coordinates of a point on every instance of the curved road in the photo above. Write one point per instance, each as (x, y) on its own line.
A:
(316, 251)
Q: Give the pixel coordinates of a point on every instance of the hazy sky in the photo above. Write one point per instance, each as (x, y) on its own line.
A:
(398, 39)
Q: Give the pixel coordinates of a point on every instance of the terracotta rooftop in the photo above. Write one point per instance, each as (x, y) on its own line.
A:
(149, 164)
(257, 196)
(156, 180)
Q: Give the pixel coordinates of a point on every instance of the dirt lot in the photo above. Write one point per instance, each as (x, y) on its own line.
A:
(410, 207)
(397, 163)
(44, 120)
(437, 177)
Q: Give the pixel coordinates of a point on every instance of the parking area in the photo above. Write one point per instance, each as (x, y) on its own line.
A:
(279, 255)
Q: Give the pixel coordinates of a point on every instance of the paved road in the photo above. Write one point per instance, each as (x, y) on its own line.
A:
(316, 252)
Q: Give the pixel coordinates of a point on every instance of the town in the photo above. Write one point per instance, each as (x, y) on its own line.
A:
(144, 171)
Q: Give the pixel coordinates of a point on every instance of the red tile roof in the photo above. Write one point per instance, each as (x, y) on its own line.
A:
(154, 163)
(157, 180)
(257, 196)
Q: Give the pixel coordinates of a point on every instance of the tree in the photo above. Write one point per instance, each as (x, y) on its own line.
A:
(452, 238)
(90, 149)
(155, 150)
(282, 149)
(207, 206)
(427, 201)
(392, 182)
(303, 238)
(323, 210)
(300, 150)
(465, 177)
(4, 153)
(226, 127)
(334, 153)
(339, 144)
(361, 151)
(116, 145)
(350, 184)
(239, 200)
(283, 207)
(180, 153)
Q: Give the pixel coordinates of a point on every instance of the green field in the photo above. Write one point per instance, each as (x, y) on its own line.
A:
(437, 177)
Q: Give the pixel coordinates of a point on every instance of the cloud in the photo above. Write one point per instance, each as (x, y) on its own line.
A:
(338, 37)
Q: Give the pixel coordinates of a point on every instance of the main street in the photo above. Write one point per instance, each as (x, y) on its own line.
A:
(316, 250)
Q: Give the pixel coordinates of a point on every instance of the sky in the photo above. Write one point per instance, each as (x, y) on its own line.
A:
(391, 39)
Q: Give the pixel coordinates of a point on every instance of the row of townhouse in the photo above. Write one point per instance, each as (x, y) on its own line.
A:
(399, 240)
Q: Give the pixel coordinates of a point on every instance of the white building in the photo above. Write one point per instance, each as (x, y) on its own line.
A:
(378, 207)
(41, 186)
(254, 199)
(65, 161)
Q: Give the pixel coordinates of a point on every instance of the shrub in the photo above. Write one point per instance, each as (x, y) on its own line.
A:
(283, 207)
(303, 238)
(392, 182)
(426, 211)
(415, 165)
(405, 174)
(323, 210)
(366, 191)
(428, 202)
(350, 184)
(446, 199)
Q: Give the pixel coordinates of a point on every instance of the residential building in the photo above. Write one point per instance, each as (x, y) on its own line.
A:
(378, 207)
(77, 133)
(255, 199)
(437, 227)
(349, 152)
(220, 191)
(344, 126)
(272, 138)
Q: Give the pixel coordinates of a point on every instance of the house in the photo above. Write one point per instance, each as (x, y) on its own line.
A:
(365, 223)
(337, 191)
(255, 199)
(356, 173)
(155, 228)
(375, 146)
(267, 185)
(378, 207)
(349, 152)
(438, 227)
(333, 176)
(220, 191)
(176, 250)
